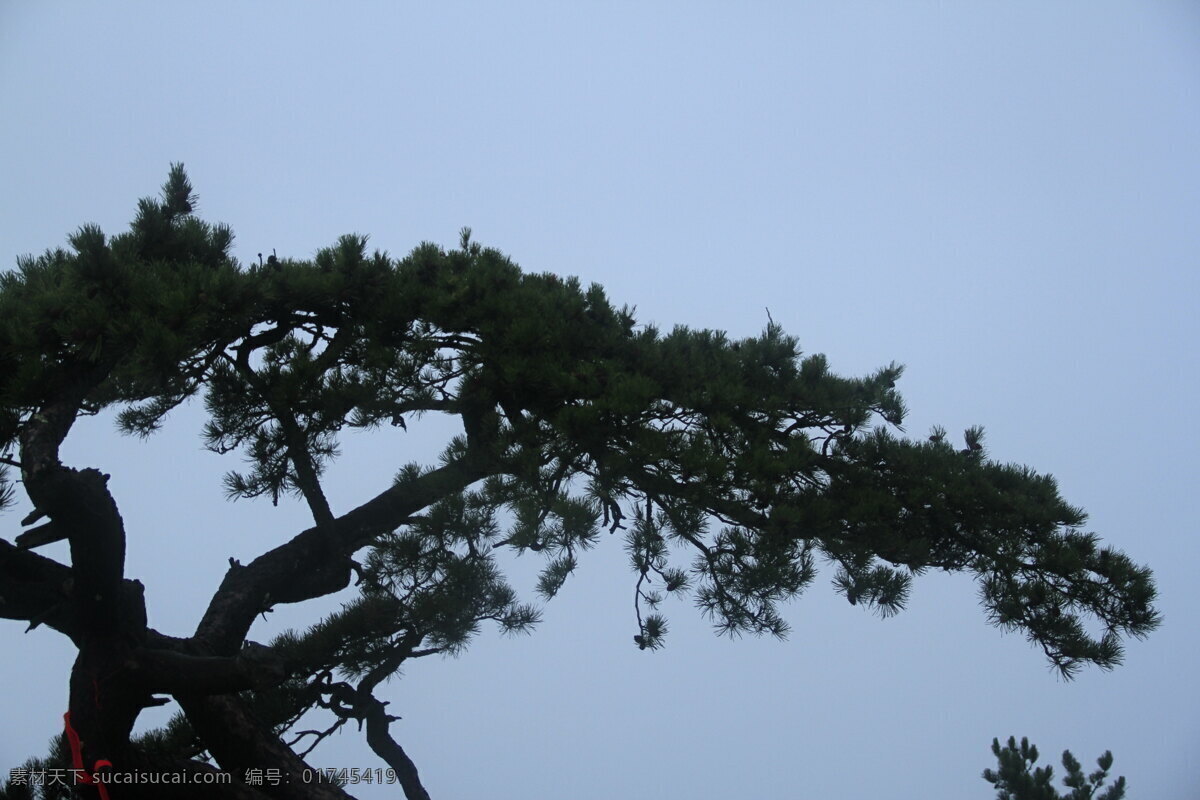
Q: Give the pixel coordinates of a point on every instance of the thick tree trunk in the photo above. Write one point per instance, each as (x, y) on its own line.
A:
(121, 664)
(240, 743)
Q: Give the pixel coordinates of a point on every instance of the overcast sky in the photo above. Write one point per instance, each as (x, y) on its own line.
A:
(1002, 196)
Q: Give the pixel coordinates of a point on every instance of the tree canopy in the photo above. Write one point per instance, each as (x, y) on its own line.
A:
(731, 469)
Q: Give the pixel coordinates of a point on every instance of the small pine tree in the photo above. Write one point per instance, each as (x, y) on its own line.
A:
(1017, 779)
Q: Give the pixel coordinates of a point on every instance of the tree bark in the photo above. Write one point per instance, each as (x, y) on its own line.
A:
(239, 742)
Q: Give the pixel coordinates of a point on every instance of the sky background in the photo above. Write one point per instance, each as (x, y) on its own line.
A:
(1002, 196)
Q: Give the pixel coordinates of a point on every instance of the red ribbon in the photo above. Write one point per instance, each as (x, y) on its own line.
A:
(77, 759)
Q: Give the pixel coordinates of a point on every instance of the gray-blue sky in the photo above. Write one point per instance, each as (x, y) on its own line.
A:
(1001, 196)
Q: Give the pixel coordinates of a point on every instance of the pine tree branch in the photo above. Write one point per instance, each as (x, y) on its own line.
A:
(165, 671)
(318, 736)
(359, 703)
(239, 742)
(33, 587)
(297, 448)
(44, 534)
(380, 740)
(301, 568)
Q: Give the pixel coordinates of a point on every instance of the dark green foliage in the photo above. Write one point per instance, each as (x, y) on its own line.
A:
(46, 778)
(733, 468)
(1017, 779)
(431, 583)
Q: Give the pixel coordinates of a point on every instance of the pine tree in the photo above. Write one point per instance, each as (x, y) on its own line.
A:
(730, 468)
(1017, 779)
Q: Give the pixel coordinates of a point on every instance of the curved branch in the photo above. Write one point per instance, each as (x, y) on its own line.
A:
(379, 739)
(301, 569)
(361, 704)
